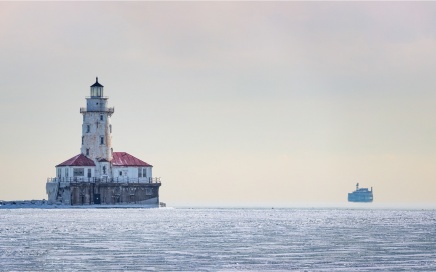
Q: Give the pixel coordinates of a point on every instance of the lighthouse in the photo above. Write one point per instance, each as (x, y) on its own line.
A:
(98, 175)
(97, 130)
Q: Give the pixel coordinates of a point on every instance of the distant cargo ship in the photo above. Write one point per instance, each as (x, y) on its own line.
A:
(360, 195)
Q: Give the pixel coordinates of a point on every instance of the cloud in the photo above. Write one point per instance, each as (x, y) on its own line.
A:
(328, 85)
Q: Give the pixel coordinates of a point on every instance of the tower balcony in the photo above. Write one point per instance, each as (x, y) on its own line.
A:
(109, 110)
(97, 97)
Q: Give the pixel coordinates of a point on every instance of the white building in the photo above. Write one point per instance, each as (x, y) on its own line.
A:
(98, 165)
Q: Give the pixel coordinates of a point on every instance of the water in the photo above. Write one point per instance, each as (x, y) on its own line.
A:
(217, 240)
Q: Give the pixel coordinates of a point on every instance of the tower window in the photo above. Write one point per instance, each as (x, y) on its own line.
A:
(87, 152)
(83, 139)
(88, 128)
(101, 117)
(101, 140)
(110, 128)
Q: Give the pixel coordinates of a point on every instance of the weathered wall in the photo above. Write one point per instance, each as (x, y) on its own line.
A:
(114, 193)
(129, 172)
(81, 193)
(97, 110)
(70, 170)
(51, 189)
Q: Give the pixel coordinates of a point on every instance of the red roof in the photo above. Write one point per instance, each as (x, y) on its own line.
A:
(78, 160)
(125, 159)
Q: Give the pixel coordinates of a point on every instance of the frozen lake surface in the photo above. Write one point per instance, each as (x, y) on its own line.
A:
(217, 240)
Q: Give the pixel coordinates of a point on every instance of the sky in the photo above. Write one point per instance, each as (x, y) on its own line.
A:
(233, 103)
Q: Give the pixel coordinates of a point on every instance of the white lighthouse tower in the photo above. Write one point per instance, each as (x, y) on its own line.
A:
(97, 130)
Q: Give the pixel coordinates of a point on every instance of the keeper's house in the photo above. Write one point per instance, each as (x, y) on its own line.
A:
(98, 175)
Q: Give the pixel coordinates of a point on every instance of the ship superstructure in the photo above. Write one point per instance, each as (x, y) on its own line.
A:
(361, 195)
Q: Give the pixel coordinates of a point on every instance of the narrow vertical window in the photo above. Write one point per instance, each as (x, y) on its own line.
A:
(139, 172)
(82, 139)
(87, 152)
(144, 173)
(101, 117)
(101, 140)
(88, 128)
(110, 128)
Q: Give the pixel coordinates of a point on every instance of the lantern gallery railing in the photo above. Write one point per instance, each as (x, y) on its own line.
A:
(98, 109)
(104, 180)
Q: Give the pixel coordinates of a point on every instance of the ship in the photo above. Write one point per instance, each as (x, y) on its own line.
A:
(361, 195)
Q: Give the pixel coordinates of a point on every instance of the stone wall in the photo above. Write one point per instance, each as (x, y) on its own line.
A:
(114, 193)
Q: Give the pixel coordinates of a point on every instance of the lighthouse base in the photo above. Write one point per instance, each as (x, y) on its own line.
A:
(103, 193)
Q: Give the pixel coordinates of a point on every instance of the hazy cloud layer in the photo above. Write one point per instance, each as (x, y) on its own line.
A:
(232, 102)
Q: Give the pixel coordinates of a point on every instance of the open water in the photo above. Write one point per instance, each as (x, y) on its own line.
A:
(217, 240)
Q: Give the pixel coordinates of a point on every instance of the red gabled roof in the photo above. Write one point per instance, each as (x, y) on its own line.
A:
(125, 159)
(78, 160)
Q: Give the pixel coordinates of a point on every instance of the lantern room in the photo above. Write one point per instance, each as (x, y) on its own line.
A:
(96, 89)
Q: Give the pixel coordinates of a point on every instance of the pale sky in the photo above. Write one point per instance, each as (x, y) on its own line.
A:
(231, 102)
